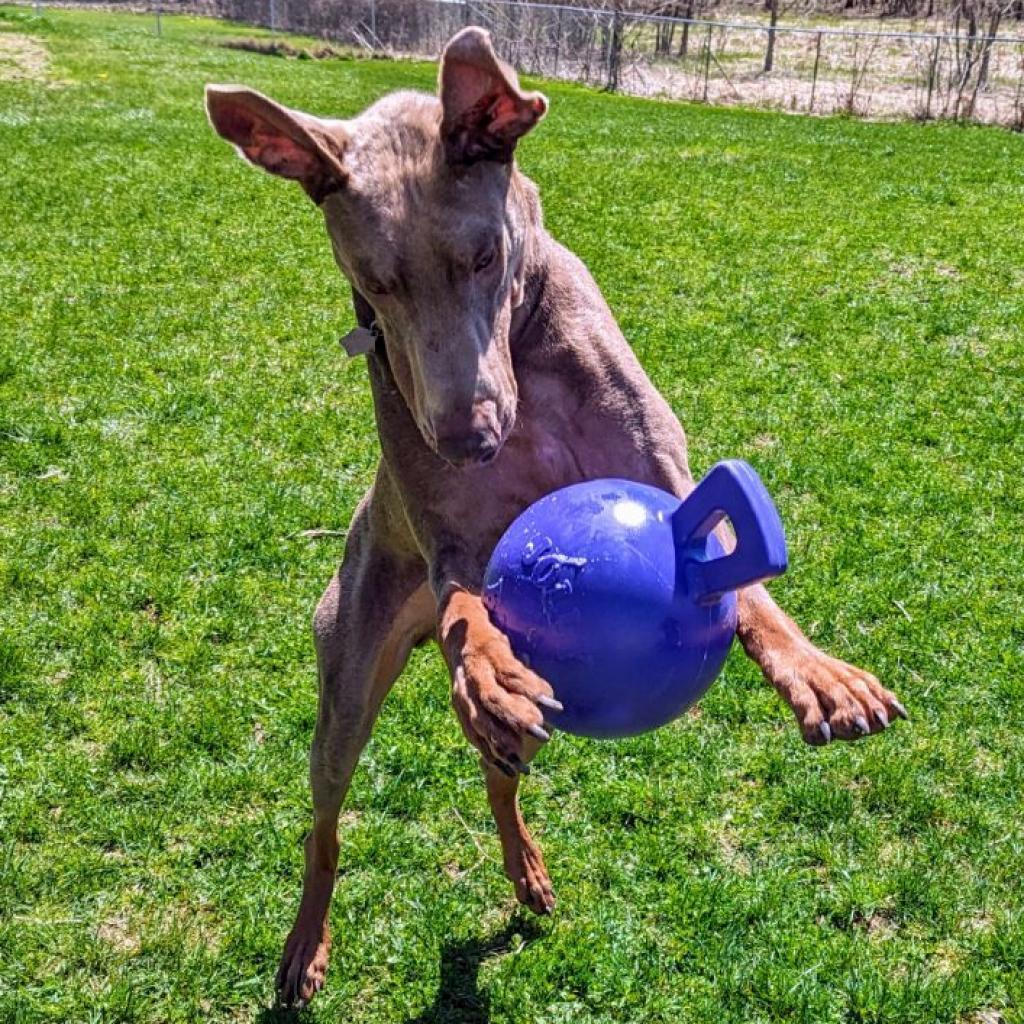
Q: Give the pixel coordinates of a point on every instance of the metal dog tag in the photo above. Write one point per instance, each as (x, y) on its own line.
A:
(358, 341)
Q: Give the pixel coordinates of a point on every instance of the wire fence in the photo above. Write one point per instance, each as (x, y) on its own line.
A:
(971, 74)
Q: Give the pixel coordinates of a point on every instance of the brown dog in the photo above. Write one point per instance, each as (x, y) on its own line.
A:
(499, 376)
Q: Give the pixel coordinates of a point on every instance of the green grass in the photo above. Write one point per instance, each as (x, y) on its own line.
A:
(838, 301)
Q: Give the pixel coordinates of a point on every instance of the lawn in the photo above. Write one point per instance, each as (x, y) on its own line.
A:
(839, 302)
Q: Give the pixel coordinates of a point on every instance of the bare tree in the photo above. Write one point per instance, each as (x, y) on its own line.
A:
(769, 53)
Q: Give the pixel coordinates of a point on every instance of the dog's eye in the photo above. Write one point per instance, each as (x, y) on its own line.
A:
(483, 262)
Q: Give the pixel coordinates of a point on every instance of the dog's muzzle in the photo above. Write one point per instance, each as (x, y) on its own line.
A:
(473, 440)
(479, 447)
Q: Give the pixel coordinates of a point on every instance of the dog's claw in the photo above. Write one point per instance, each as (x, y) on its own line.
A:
(860, 723)
(883, 718)
(899, 709)
(550, 703)
(538, 733)
(520, 765)
(826, 732)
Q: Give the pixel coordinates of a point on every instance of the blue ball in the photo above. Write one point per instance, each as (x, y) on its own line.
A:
(619, 595)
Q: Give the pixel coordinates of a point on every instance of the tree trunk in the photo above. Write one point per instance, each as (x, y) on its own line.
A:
(769, 53)
(684, 43)
(615, 47)
(986, 53)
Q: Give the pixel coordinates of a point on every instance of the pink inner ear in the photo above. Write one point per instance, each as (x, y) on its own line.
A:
(505, 111)
(235, 124)
(469, 85)
(280, 155)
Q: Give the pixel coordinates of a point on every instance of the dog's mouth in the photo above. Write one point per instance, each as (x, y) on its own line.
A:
(470, 452)
(473, 439)
(471, 449)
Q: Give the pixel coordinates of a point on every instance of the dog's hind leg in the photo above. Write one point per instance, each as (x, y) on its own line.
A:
(376, 608)
(524, 864)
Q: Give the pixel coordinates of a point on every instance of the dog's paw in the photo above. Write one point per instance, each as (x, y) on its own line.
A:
(526, 871)
(500, 703)
(303, 966)
(831, 699)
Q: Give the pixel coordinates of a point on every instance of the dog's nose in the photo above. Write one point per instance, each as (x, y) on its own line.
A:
(462, 449)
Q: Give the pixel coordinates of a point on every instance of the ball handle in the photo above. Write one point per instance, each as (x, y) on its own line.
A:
(733, 490)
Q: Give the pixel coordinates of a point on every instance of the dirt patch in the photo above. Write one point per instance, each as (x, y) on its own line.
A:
(22, 59)
(116, 932)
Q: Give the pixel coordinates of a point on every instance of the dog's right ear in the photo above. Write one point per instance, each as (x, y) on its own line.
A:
(285, 142)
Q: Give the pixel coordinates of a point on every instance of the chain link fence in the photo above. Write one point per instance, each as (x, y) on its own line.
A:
(820, 70)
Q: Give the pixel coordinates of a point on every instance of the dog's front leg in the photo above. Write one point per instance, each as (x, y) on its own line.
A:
(829, 697)
(500, 703)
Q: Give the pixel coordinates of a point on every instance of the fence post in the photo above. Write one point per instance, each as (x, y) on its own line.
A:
(373, 24)
(707, 62)
(466, 13)
(273, 17)
(159, 29)
(814, 80)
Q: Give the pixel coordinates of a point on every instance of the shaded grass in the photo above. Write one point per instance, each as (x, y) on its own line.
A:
(839, 302)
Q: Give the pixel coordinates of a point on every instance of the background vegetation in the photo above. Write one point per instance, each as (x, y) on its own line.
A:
(963, 61)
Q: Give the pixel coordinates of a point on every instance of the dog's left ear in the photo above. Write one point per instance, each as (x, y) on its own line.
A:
(485, 112)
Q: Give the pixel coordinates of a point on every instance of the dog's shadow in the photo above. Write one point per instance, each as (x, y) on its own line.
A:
(459, 999)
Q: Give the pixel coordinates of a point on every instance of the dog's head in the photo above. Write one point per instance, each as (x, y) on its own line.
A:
(429, 220)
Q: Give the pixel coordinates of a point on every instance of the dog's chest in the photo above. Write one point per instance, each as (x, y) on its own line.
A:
(553, 452)
(554, 461)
